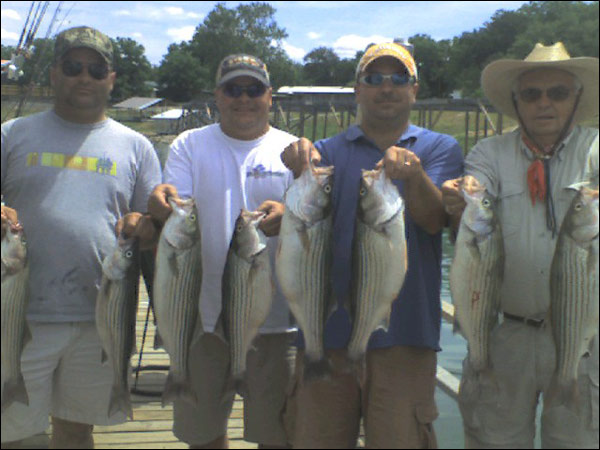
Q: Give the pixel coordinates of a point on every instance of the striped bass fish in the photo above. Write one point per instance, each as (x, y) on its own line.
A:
(116, 308)
(379, 258)
(476, 273)
(303, 261)
(247, 291)
(177, 283)
(574, 294)
(15, 331)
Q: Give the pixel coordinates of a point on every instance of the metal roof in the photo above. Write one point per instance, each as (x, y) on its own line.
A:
(315, 90)
(138, 103)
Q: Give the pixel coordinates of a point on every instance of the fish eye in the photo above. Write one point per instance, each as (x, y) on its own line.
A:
(362, 191)
(327, 188)
(486, 202)
(192, 217)
(128, 254)
(578, 206)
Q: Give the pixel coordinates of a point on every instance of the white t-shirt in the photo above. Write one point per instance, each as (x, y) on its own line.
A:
(224, 175)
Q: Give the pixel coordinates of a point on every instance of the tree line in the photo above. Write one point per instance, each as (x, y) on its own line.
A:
(189, 67)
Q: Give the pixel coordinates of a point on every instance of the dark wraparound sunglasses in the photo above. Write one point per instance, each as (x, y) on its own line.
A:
(377, 79)
(555, 93)
(252, 91)
(98, 71)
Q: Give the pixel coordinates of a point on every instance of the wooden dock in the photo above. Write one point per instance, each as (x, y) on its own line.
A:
(152, 424)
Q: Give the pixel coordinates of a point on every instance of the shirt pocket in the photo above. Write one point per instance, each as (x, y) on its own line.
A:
(512, 198)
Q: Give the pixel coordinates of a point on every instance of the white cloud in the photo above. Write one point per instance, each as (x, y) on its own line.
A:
(193, 15)
(10, 14)
(122, 12)
(347, 46)
(313, 35)
(137, 35)
(174, 10)
(9, 35)
(296, 53)
(182, 34)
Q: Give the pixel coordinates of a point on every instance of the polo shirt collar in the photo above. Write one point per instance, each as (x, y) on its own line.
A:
(412, 132)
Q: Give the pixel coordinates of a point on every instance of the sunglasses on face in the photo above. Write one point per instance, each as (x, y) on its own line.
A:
(98, 71)
(252, 91)
(556, 94)
(377, 79)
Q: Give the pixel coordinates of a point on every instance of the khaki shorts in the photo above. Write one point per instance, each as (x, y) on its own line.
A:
(64, 377)
(502, 414)
(396, 402)
(268, 376)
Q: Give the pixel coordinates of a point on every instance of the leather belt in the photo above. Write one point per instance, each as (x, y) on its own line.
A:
(533, 322)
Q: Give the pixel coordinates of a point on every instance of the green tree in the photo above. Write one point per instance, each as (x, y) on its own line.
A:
(320, 67)
(181, 75)
(431, 58)
(133, 70)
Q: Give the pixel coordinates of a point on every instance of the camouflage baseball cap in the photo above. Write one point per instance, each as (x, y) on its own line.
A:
(83, 37)
(242, 65)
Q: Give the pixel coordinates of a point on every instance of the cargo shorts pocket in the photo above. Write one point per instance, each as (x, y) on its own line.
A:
(426, 413)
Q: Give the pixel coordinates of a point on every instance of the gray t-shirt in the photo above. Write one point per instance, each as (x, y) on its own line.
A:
(69, 184)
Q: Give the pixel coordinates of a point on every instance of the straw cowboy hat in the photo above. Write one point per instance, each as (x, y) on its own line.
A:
(498, 77)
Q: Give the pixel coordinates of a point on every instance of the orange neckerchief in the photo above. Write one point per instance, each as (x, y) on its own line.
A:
(536, 176)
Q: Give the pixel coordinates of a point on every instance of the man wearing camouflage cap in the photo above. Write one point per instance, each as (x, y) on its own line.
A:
(396, 396)
(70, 176)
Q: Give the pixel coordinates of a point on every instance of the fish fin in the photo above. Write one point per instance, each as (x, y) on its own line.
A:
(241, 387)
(120, 401)
(103, 357)
(158, 341)
(178, 389)
(316, 370)
(456, 327)
(14, 391)
(474, 249)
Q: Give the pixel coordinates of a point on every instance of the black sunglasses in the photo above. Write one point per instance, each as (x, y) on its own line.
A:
(98, 71)
(252, 91)
(377, 79)
(555, 93)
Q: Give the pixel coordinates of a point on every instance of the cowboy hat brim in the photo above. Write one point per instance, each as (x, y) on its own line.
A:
(498, 78)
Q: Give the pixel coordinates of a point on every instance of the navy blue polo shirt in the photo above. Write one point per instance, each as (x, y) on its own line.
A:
(416, 313)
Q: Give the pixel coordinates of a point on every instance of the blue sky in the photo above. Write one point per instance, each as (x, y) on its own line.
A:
(345, 26)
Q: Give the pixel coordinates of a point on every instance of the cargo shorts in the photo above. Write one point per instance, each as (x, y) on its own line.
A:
(268, 374)
(500, 412)
(396, 402)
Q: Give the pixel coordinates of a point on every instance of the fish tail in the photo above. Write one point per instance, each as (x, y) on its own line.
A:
(14, 391)
(120, 401)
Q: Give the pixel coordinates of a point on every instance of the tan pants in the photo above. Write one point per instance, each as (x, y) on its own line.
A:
(396, 402)
(268, 376)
